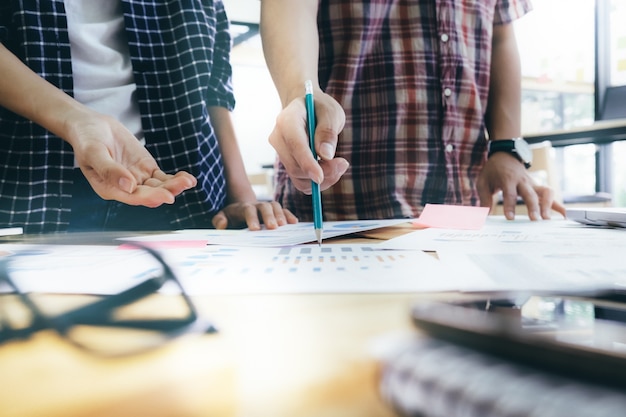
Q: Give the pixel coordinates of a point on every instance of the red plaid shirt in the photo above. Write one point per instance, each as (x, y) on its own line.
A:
(413, 78)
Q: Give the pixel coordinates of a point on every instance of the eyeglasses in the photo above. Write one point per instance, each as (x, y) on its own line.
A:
(113, 325)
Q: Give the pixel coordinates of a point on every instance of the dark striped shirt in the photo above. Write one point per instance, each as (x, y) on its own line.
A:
(413, 78)
(180, 56)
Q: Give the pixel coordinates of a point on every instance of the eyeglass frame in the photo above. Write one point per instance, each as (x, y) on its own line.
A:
(97, 313)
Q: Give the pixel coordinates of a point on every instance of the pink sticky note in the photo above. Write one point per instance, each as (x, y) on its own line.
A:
(452, 217)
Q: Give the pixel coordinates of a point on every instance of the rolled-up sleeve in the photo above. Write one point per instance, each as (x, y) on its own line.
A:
(220, 84)
(510, 10)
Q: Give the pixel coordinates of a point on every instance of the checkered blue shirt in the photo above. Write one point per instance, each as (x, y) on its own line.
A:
(180, 55)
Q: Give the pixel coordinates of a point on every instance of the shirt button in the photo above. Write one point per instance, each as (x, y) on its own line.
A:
(447, 92)
(444, 37)
(449, 148)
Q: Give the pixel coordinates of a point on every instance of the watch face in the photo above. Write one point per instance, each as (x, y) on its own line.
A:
(523, 150)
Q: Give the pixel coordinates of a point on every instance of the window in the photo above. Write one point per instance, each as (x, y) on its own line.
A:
(617, 42)
(571, 51)
(556, 42)
(617, 77)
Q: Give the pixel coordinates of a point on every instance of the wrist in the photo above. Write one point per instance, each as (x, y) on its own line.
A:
(78, 121)
(62, 115)
(296, 91)
(516, 147)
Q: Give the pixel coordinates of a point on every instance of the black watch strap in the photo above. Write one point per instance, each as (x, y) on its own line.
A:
(517, 147)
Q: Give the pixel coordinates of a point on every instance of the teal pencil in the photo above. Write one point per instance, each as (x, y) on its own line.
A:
(315, 188)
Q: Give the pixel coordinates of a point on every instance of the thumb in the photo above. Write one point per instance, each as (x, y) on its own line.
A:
(127, 184)
(330, 122)
(326, 143)
(110, 178)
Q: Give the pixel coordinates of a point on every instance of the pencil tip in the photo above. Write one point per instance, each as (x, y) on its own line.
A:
(318, 234)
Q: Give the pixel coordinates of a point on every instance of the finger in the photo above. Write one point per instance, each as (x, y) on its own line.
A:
(143, 167)
(142, 196)
(157, 174)
(306, 163)
(290, 217)
(282, 215)
(486, 197)
(486, 194)
(292, 146)
(150, 197)
(105, 175)
(331, 119)
(546, 199)
(559, 208)
(302, 185)
(252, 217)
(112, 183)
(266, 211)
(284, 154)
(325, 138)
(531, 199)
(279, 213)
(509, 202)
(548, 203)
(333, 171)
(175, 184)
(185, 174)
(298, 177)
(161, 189)
(220, 221)
(152, 182)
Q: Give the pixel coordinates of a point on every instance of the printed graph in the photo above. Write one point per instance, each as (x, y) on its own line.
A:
(308, 268)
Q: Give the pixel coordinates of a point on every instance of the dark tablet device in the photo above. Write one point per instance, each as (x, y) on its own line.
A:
(584, 338)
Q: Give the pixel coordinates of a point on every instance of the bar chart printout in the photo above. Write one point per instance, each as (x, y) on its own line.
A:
(217, 269)
(309, 268)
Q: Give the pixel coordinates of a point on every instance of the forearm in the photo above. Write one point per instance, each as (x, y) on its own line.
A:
(27, 94)
(504, 109)
(290, 44)
(239, 188)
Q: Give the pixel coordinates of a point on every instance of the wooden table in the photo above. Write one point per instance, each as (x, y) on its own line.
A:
(275, 355)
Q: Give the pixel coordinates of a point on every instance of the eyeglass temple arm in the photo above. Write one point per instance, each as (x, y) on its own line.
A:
(99, 312)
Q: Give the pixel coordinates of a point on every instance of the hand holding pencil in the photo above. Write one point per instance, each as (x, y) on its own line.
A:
(290, 140)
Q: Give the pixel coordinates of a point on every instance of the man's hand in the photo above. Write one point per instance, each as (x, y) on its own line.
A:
(503, 172)
(290, 140)
(116, 165)
(238, 215)
(119, 167)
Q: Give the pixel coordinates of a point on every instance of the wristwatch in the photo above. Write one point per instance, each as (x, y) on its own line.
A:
(517, 147)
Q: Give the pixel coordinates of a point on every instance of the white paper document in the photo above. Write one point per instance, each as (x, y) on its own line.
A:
(11, 231)
(500, 234)
(311, 269)
(555, 255)
(70, 269)
(217, 269)
(520, 254)
(290, 234)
